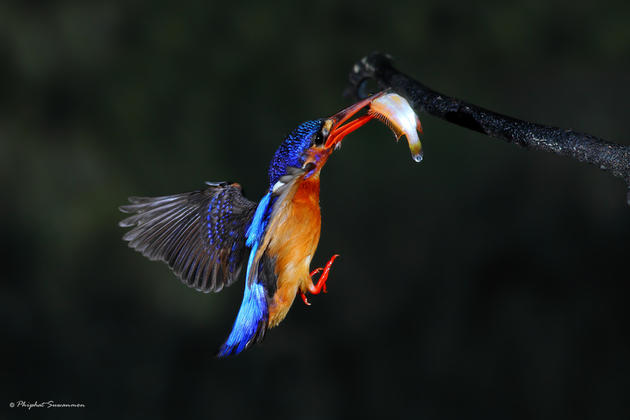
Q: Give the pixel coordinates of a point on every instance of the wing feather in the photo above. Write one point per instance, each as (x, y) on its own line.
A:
(200, 234)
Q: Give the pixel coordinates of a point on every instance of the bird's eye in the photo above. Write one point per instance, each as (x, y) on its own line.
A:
(318, 138)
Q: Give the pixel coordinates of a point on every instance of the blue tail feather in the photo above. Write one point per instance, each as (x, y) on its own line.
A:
(251, 321)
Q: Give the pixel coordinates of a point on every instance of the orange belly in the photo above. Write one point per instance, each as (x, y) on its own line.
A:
(293, 246)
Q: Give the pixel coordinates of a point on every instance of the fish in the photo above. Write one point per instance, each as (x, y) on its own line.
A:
(395, 112)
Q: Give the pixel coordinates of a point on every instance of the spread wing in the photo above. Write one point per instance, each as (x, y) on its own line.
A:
(200, 234)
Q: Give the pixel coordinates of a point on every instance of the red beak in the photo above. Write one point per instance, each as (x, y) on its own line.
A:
(339, 130)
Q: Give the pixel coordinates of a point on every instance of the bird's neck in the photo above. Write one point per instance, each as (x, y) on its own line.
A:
(308, 190)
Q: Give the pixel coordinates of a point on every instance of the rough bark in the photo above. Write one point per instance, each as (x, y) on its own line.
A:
(608, 156)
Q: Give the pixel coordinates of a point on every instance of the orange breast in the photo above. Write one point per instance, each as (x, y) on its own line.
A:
(293, 245)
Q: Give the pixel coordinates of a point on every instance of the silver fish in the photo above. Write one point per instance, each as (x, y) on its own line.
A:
(395, 112)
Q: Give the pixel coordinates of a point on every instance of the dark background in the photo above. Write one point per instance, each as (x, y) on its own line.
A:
(486, 282)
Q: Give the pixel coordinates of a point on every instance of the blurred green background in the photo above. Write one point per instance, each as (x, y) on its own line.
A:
(486, 282)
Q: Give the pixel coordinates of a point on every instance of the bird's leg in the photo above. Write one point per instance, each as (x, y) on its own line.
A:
(321, 283)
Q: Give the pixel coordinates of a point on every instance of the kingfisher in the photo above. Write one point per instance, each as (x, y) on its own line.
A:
(208, 236)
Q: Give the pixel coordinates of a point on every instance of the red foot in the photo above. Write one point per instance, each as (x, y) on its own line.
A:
(321, 283)
(303, 296)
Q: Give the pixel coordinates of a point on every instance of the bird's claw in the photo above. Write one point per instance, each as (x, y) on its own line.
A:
(303, 296)
(317, 270)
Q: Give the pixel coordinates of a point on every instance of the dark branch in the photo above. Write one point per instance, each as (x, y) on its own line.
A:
(608, 156)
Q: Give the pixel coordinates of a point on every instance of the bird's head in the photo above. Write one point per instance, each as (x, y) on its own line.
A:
(310, 145)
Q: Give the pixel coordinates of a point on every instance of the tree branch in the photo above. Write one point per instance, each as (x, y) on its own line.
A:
(611, 157)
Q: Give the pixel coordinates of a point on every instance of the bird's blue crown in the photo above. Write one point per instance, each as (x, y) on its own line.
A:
(291, 151)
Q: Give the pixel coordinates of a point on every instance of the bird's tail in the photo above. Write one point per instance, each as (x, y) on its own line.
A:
(251, 322)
